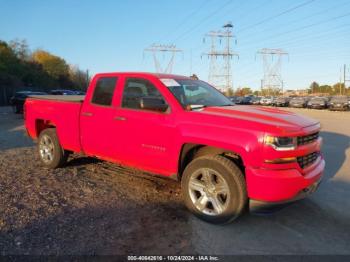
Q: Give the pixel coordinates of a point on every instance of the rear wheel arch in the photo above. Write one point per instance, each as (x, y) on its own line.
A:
(42, 124)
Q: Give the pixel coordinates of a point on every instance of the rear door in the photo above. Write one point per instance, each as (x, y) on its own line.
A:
(96, 120)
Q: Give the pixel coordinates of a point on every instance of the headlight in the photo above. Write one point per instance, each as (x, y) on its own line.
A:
(281, 143)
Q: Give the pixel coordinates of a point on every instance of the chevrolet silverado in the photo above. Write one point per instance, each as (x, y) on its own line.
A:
(226, 156)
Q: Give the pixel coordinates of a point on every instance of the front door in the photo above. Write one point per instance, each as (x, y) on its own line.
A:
(146, 136)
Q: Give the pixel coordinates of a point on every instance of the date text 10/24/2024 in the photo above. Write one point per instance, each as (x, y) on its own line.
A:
(173, 258)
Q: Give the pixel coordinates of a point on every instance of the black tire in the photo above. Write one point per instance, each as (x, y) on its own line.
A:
(235, 181)
(58, 155)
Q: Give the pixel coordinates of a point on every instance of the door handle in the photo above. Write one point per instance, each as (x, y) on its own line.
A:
(87, 114)
(120, 118)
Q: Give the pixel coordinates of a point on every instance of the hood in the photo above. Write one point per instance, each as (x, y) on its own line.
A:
(269, 117)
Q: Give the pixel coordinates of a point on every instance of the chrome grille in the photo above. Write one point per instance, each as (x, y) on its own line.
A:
(302, 140)
(305, 161)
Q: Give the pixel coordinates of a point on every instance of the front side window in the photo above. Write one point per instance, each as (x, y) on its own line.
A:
(142, 94)
(104, 90)
(191, 92)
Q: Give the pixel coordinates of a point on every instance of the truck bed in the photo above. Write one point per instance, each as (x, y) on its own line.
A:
(62, 112)
(77, 98)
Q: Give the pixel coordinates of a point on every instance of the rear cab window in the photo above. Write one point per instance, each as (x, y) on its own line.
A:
(104, 91)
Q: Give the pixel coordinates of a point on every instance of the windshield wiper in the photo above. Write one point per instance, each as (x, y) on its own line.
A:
(227, 105)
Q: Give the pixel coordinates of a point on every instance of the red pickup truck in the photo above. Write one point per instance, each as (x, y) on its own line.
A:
(225, 155)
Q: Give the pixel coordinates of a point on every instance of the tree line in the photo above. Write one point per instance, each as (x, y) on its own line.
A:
(38, 70)
(338, 89)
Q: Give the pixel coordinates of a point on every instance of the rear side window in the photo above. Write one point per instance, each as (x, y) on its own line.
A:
(104, 91)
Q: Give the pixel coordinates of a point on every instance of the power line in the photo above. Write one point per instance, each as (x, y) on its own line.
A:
(189, 16)
(203, 20)
(327, 10)
(307, 26)
(275, 16)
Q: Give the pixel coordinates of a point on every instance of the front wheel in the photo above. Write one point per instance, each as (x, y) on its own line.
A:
(52, 155)
(214, 189)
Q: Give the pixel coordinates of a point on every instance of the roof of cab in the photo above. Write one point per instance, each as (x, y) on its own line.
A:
(158, 75)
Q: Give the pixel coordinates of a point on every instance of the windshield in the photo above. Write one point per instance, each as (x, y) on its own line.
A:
(298, 99)
(281, 99)
(196, 93)
(317, 100)
(339, 99)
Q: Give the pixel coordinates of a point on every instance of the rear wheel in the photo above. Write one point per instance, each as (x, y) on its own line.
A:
(52, 155)
(214, 189)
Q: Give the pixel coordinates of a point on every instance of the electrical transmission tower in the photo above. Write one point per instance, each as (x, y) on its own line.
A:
(155, 49)
(272, 82)
(220, 76)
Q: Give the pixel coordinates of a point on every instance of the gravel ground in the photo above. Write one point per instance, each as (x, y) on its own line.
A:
(89, 207)
(93, 207)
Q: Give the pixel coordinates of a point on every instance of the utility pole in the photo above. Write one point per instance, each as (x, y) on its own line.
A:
(221, 76)
(157, 48)
(345, 79)
(272, 64)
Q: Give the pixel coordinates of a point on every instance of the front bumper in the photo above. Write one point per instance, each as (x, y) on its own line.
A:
(257, 206)
(282, 185)
(281, 104)
(297, 105)
(339, 107)
(317, 106)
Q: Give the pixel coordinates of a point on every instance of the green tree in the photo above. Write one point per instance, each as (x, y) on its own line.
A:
(314, 88)
(339, 89)
(243, 91)
(20, 48)
(79, 77)
(325, 89)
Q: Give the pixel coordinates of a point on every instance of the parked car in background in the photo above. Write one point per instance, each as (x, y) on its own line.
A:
(80, 93)
(247, 100)
(339, 103)
(256, 100)
(266, 101)
(300, 102)
(282, 101)
(17, 101)
(274, 98)
(63, 92)
(317, 103)
(236, 99)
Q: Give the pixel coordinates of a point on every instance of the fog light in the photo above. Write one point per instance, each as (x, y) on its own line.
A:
(284, 160)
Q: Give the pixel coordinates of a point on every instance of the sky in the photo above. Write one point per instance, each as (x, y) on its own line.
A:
(111, 35)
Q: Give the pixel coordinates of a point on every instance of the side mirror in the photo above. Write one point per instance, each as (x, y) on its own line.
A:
(153, 103)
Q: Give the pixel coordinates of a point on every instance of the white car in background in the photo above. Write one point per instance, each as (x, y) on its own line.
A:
(266, 101)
